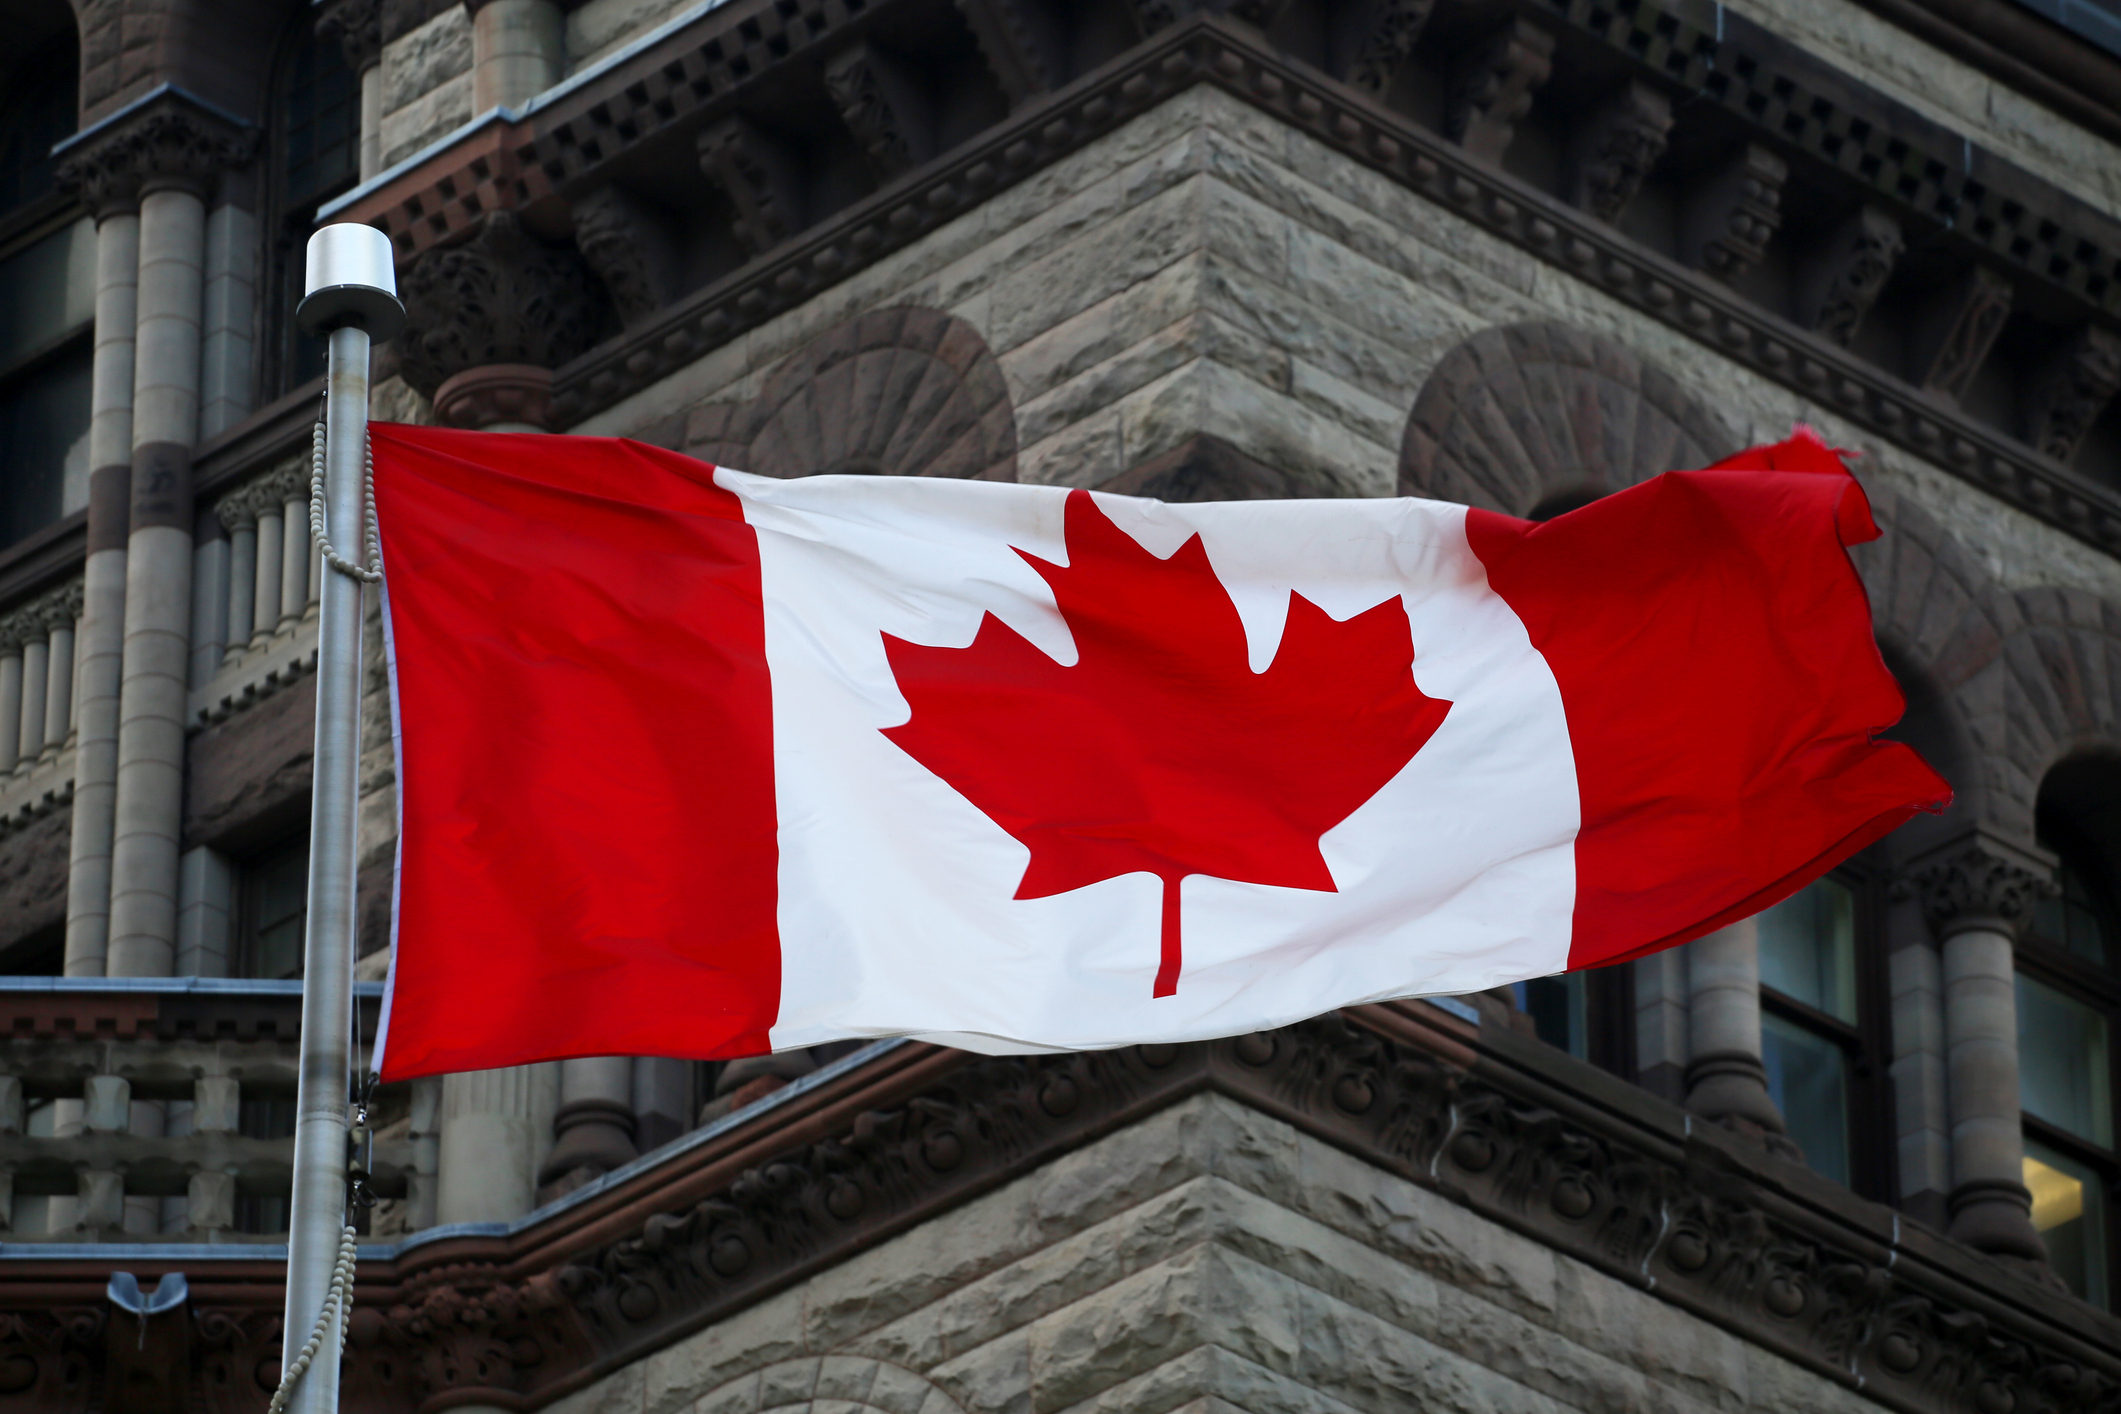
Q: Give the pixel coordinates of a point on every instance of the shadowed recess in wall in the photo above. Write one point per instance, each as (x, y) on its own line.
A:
(893, 392)
(1538, 418)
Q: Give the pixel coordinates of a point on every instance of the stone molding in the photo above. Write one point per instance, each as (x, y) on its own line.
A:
(500, 297)
(829, 1384)
(268, 494)
(166, 139)
(495, 392)
(1979, 881)
(1541, 1144)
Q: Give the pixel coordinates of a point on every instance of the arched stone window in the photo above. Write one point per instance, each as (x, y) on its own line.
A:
(2069, 1019)
(313, 155)
(47, 282)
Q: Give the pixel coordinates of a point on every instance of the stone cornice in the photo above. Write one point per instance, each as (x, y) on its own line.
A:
(2023, 49)
(166, 137)
(1575, 1158)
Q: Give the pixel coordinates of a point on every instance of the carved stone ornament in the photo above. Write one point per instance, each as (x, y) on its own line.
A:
(356, 26)
(1383, 41)
(1733, 214)
(1961, 330)
(171, 140)
(1977, 885)
(762, 177)
(502, 297)
(1843, 277)
(1492, 87)
(893, 392)
(625, 244)
(2074, 390)
(264, 495)
(1616, 149)
(884, 106)
(1018, 40)
(496, 393)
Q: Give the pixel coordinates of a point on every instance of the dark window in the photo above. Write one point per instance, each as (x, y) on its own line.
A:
(317, 135)
(2069, 1013)
(1585, 1013)
(47, 318)
(37, 110)
(272, 913)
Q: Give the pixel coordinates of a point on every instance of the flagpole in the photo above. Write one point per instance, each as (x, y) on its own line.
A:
(350, 295)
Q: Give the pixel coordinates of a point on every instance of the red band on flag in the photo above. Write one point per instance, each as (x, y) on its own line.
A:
(580, 634)
(1714, 650)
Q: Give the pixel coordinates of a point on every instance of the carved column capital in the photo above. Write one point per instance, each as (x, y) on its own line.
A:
(167, 139)
(1979, 881)
(501, 297)
(356, 26)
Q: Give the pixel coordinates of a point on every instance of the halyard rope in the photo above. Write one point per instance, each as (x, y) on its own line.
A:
(337, 1299)
(372, 573)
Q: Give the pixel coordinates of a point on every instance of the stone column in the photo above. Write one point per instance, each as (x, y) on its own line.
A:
(1725, 1079)
(593, 1129)
(156, 669)
(1978, 894)
(518, 50)
(356, 26)
(101, 641)
(162, 153)
(494, 1126)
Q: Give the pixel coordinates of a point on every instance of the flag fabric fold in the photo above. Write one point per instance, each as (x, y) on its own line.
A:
(700, 764)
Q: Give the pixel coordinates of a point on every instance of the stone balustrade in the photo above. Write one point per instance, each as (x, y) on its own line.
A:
(164, 1107)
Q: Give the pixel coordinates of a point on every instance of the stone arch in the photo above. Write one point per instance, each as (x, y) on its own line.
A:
(1539, 413)
(841, 1384)
(890, 392)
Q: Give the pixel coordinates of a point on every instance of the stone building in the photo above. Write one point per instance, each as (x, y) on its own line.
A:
(1857, 1152)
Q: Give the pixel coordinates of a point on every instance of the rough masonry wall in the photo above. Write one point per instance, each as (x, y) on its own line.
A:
(1208, 270)
(426, 84)
(1211, 1253)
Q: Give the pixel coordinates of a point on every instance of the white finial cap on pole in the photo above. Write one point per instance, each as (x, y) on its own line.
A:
(351, 279)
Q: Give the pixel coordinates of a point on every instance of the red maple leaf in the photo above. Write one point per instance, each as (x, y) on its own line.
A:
(1160, 751)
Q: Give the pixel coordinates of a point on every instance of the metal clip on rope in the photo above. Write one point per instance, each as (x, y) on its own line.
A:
(371, 573)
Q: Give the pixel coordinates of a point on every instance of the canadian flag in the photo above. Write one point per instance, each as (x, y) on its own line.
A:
(701, 764)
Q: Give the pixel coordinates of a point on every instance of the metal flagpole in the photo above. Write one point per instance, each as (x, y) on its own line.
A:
(350, 295)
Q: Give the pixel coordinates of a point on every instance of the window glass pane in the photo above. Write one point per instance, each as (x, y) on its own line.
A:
(44, 442)
(1808, 1080)
(47, 291)
(278, 889)
(323, 123)
(2069, 1212)
(2070, 919)
(1556, 1006)
(2063, 1076)
(1808, 948)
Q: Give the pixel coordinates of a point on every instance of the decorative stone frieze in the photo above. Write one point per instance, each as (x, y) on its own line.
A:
(501, 297)
(2074, 389)
(167, 139)
(1492, 86)
(1611, 154)
(1844, 275)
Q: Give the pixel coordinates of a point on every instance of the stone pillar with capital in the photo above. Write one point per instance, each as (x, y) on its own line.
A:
(1725, 1078)
(1978, 893)
(518, 50)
